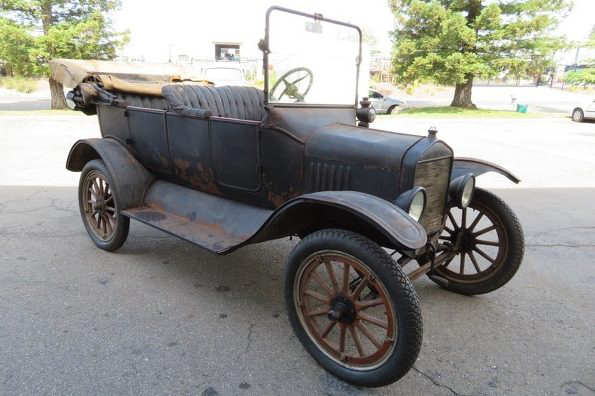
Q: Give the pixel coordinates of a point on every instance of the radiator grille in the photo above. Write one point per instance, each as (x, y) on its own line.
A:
(433, 175)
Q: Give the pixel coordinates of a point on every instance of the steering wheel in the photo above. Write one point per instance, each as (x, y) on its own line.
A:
(291, 89)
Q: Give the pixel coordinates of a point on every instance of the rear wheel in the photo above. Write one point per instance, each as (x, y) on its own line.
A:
(488, 243)
(578, 115)
(352, 308)
(98, 205)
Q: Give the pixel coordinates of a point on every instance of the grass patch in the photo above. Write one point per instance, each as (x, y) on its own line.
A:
(456, 112)
(20, 84)
(66, 112)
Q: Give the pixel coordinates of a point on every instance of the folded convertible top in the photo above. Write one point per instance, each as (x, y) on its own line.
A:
(137, 78)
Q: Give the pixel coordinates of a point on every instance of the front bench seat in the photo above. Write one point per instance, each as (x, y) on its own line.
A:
(244, 103)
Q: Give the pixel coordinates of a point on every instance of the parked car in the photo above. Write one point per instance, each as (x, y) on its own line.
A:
(584, 111)
(225, 74)
(385, 104)
(224, 167)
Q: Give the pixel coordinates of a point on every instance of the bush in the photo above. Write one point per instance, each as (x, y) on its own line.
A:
(20, 84)
(580, 77)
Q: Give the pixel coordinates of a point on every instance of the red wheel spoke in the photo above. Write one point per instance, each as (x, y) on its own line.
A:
(472, 225)
(331, 274)
(356, 340)
(110, 199)
(328, 329)
(317, 312)
(342, 329)
(363, 283)
(369, 303)
(317, 296)
(474, 261)
(108, 225)
(322, 283)
(489, 243)
(346, 269)
(488, 229)
(110, 208)
(372, 319)
(368, 335)
(462, 265)
(484, 255)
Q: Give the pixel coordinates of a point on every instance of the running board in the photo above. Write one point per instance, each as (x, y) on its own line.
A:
(214, 223)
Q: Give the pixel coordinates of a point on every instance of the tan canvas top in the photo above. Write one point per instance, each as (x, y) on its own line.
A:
(138, 78)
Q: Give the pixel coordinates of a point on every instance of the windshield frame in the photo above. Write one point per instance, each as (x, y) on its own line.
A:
(264, 47)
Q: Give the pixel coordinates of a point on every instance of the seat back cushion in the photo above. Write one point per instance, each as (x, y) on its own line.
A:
(245, 103)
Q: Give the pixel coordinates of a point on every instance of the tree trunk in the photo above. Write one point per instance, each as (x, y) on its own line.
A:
(57, 92)
(462, 96)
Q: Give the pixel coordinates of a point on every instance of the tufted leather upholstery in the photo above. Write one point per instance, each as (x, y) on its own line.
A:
(245, 103)
(147, 101)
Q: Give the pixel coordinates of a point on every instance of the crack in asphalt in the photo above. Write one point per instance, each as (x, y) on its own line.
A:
(436, 382)
(249, 338)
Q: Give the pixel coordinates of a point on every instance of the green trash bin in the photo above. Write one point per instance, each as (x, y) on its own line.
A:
(522, 108)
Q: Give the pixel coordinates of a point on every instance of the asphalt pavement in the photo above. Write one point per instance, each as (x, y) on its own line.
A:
(162, 316)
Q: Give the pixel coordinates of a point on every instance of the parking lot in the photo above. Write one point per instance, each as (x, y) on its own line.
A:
(162, 316)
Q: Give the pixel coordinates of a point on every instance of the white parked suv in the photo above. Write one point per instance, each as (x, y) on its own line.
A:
(385, 104)
(585, 111)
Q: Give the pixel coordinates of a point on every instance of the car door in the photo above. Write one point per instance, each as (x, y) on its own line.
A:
(235, 153)
(590, 110)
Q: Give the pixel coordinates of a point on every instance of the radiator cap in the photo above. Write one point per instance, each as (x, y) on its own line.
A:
(432, 132)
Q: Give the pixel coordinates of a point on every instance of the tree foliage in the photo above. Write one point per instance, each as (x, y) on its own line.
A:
(452, 41)
(35, 31)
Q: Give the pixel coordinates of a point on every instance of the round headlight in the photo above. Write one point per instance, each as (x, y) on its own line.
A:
(467, 192)
(413, 202)
(417, 205)
(461, 190)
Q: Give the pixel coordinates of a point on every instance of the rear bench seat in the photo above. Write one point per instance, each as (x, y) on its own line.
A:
(244, 103)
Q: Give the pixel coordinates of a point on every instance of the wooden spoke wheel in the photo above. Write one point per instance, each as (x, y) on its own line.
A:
(345, 309)
(487, 240)
(353, 308)
(99, 207)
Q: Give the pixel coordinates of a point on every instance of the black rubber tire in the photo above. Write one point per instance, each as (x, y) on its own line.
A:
(516, 248)
(400, 290)
(391, 109)
(123, 223)
(579, 117)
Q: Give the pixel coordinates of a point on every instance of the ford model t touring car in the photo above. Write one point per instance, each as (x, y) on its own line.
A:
(227, 166)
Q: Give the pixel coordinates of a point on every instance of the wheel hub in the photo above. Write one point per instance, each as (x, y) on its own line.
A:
(342, 310)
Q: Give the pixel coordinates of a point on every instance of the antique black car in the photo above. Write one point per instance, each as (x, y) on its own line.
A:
(223, 167)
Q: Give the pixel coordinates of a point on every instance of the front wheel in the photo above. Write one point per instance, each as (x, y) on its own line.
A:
(352, 308)
(577, 115)
(488, 245)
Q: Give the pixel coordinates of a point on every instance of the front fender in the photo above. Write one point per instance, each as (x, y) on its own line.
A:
(373, 217)
(478, 167)
(130, 179)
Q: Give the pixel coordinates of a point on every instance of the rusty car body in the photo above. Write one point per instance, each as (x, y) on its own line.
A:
(223, 167)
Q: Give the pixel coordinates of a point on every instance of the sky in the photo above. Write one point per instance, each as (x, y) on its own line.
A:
(184, 25)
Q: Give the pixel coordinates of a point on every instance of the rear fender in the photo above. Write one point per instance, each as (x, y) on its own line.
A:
(130, 179)
(478, 167)
(368, 215)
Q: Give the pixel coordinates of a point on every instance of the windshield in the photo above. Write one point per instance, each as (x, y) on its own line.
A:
(311, 61)
(223, 73)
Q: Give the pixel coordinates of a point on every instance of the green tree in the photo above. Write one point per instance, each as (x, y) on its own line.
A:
(15, 44)
(66, 29)
(453, 41)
